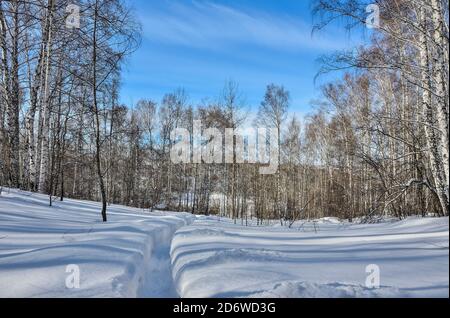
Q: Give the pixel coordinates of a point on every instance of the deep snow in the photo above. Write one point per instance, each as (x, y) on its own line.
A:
(142, 254)
(126, 257)
(213, 258)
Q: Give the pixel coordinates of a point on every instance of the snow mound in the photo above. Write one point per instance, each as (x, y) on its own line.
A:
(203, 232)
(330, 290)
(329, 220)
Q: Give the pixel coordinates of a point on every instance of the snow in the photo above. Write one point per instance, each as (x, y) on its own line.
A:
(168, 254)
(126, 257)
(325, 258)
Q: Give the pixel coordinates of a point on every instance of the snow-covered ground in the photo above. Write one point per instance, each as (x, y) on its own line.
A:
(213, 258)
(142, 254)
(126, 257)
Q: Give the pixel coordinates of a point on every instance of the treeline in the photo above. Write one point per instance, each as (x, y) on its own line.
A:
(59, 72)
(397, 104)
(376, 144)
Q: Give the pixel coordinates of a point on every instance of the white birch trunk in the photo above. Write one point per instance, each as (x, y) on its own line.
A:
(44, 151)
(442, 112)
(432, 138)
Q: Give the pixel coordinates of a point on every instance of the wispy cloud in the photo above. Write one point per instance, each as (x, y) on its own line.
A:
(208, 25)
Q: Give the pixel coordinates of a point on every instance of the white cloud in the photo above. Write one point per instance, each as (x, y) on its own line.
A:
(213, 26)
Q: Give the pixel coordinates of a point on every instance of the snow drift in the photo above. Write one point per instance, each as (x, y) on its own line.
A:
(126, 257)
(142, 254)
(213, 258)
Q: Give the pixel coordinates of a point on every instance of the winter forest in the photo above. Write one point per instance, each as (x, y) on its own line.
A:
(375, 145)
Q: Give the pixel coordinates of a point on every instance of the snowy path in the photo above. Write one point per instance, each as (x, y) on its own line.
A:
(141, 254)
(220, 259)
(126, 257)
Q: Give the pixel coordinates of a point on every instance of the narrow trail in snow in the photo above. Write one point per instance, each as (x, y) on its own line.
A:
(127, 257)
(158, 280)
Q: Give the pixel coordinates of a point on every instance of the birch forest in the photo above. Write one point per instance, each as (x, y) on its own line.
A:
(376, 143)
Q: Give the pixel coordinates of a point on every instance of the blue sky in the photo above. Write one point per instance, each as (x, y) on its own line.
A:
(198, 45)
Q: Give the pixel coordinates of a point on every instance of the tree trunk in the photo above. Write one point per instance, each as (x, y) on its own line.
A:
(431, 134)
(97, 117)
(44, 142)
